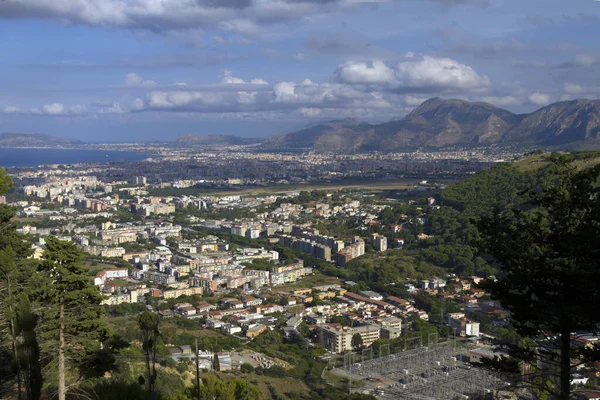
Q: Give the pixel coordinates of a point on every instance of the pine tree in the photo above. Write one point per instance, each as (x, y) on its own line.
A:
(549, 249)
(15, 314)
(148, 323)
(73, 319)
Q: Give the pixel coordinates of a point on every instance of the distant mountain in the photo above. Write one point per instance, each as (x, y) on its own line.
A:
(440, 123)
(566, 123)
(213, 140)
(309, 137)
(34, 140)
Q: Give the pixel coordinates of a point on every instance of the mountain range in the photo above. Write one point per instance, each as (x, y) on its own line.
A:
(440, 123)
(437, 123)
(14, 140)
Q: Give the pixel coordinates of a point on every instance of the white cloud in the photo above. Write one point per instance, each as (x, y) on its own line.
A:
(133, 79)
(137, 104)
(500, 101)
(244, 17)
(573, 88)
(413, 73)
(310, 112)
(228, 78)
(539, 99)
(375, 89)
(413, 100)
(53, 109)
(113, 108)
(11, 110)
(439, 73)
(584, 60)
(364, 73)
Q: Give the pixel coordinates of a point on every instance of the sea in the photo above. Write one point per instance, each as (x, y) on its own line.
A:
(34, 157)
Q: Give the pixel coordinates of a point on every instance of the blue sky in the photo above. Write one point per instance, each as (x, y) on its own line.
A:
(132, 70)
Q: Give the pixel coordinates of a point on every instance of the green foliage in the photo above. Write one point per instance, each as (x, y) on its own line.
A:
(103, 389)
(6, 182)
(169, 384)
(259, 264)
(549, 249)
(125, 309)
(491, 188)
(379, 270)
(246, 368)
(435, 306)
(72, 305)
(148, 323)
(212, 387)
(356, 342)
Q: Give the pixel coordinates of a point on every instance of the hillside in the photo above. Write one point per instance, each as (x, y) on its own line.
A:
(324, 135)
(440, 123)
(500, 185)
(14, 140)
(574, 122)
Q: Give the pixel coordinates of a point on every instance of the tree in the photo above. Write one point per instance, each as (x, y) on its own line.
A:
(73, 316)
(549, 249)
(356, 341)
(148, 323)
(16, 273)
(246, 368)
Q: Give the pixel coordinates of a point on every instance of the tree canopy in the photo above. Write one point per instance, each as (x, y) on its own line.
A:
(549, 248)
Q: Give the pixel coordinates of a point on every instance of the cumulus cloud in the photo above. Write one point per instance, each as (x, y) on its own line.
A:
(307, 98)
(573, 88)
(241, 16)
(310, 112)
(52, 109)
(137, 104)
(539, 99)
(11, 110)
(133, 79)
(112, 108)
(415, 72)
(245, 17)
(364, 73)
(228, 78)
(375, 89)
(501, 101)
(580, 61)
(439, 73)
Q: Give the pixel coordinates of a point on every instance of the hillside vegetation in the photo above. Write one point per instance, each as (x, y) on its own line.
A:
(500, 185)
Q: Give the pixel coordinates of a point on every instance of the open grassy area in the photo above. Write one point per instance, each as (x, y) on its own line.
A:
(95, 267)
(129, 322)
(262, 382)
(532, 163)
(582, 160)
(341, 381)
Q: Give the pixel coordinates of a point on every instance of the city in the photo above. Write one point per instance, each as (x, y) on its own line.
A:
(246, 259)
(299, 200)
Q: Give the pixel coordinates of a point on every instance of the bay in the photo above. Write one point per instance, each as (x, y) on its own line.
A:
(34, 157)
